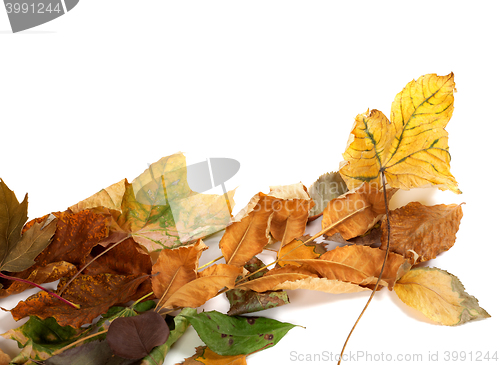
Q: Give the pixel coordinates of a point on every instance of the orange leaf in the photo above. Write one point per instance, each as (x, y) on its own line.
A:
(206, 356)
(247, 237)
(358, 265)
(175, 268)
(423, 230)
(206, 286)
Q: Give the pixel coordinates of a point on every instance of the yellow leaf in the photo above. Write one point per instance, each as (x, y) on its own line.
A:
(206, 356)
(175, 268)
(110, 198)
(439, 295)
(412, 148)
(4, 358)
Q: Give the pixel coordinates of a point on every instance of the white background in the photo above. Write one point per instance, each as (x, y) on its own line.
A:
(94, 96)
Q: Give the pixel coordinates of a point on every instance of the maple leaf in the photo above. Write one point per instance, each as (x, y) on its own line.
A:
(422, 230)
(96, 294)
(158, 209)
(358, 210)
(412, 148)
(206, 356)
(17, 253)
(439, 295)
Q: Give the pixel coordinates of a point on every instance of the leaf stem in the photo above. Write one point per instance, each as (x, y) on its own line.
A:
(90, 262)
(57, 352)
(211, 262)
(76, 306)
(381, 270)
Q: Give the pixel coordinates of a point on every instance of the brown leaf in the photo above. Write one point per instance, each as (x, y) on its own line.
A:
(246, 238)
(96, 294)
(289, 219)
(424, 230)
(75, 236)
(175, 268)
(275, 277)
(205, 287)
(206, 356)
(358, 265)
(365, 196)
(297, 250)
(4, 358)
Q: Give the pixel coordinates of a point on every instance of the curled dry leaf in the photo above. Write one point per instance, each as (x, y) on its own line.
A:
(297, 249)
(175, 268)
(206, 286)
(424, 230)
(206, 356)
(439, 295)
(412, 148)
(135, 337)
(366, 200)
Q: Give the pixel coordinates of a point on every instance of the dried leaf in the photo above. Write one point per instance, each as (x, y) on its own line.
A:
(235, 335)
(206, 286)
(175, 268)
(110, 198)
(206, 356)
(96, 294)
(439, 295)
(291, 277)
(246, 238)
(366, 196)
(329, 186)
(17, 253)
(4, 358)
(249, 301)
(135, 337)
(359, 265)
(424, 230)
(412, 149)
(298, 250)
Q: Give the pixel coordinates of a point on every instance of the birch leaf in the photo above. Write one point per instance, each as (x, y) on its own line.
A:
(439, 295)
(412, 148)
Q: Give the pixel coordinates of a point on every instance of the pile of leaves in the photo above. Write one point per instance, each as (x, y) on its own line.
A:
(141, 243)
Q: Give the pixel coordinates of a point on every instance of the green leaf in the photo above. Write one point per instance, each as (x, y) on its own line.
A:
(329, 186)
(41, 338)
(236, 335)
(249, 301)
(158, 354)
